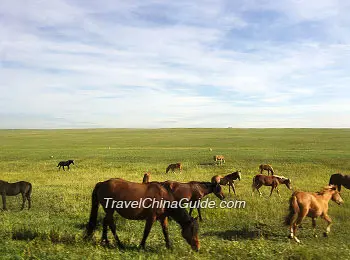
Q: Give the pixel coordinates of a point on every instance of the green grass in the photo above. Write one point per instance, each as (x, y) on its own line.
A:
(53, 228)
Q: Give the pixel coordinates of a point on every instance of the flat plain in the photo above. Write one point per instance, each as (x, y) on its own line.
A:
(61, 200)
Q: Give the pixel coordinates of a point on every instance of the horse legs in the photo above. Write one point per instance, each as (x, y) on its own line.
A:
(339, 187)
(68, 167)
(314, 227)
(113, 228)
(329, 221)
(278, 192)
(199, 213)
(300, 218)
(105, 229)
(148, 226)
(4, 201)
(164, 222)
(23, 200)
(233, 187)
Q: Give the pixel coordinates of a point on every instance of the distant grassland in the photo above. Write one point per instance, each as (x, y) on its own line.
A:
(53, 228)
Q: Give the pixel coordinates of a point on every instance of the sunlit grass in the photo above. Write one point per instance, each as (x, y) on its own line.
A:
(53, 228)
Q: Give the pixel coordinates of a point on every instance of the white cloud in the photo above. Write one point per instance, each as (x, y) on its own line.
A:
(122, 64)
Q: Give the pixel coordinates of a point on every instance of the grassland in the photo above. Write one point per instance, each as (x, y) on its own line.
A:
(53, 228)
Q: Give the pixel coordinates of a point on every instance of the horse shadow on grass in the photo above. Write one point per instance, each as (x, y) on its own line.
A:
(245, 233)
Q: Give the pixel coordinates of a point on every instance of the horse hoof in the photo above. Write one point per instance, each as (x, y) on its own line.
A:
(325, 234)
(297, 240)
(315, 236)
(290, 236)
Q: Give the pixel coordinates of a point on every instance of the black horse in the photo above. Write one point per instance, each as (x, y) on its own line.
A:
(65, 163)
(339, 179)
(12, 189)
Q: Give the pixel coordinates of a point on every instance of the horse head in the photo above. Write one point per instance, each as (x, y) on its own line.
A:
(217, 190)
(190, 233)
(336, 194)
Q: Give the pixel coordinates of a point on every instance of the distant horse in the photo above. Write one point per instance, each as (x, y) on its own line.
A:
(339, 179)
(313, 205)
(194, 191)
(146, 177)
(120, 190)
(173, 167)
(266, 167)
(273, 181)
(227, 180)
(12, 189)
(65, 163)
(219, 158)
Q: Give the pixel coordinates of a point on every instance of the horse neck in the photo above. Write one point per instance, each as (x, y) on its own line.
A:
(205, 188)
(327, 196)
(180, 215)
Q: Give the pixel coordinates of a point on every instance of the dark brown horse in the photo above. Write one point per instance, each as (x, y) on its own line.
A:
(121, 191)
(194, 191)
(266, 167)
(65, 163)
(313, 205)
(173, 167)
(146, 177)
(227, 180)
(12, 189)
(273, 181)
(339, 179)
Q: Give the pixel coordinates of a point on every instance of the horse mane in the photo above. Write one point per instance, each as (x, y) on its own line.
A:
(280, 177)
(325, 189)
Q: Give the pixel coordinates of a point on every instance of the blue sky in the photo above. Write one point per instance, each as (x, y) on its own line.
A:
(152, 64)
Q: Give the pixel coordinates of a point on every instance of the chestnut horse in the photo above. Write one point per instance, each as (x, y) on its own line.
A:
(194, 191)
(227, 180)
(313, 205)
(273, 181)
(339, 179)
(146, 177)
(12, 189)
(150, 194)
(219, 158)
(266, 167)
(173, 167)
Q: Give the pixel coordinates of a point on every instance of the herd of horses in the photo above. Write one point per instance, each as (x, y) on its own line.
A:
(301, 204)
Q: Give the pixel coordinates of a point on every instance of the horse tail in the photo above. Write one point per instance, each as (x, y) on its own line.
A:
(253, 184)
(29, 191)
(293, 209)
(272, 171)
(93, 214)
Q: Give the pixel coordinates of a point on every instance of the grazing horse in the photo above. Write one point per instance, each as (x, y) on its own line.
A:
(227, 180)
(150, 194)
(146, 177)
(12, 189)
(219, 158)
(266, 167)
(339, 179)
(65, 163)
(313, 205)
(194, 191)
(273, 181)
(173, 167)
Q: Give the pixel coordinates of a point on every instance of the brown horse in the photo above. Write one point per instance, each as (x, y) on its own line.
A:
(194, 191)
(173, 167)
(227, 180)
(150, 194)
(219, 158)
(266, 167)
(146, 177)
(339, 179)
(12, 189)
(313, 205)
(273, 181)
